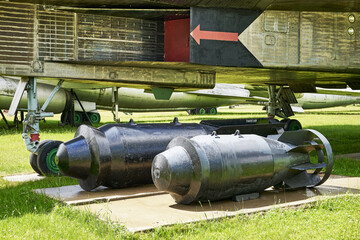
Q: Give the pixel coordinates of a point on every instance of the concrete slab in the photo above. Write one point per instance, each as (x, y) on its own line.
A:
(139, 212)
(75, 195)
(23, 177)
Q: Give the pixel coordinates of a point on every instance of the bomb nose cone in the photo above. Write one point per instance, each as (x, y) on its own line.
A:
(161, 174)
(172, 170)
(74, 158)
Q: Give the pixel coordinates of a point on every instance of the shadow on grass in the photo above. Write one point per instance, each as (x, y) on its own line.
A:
(18, 199)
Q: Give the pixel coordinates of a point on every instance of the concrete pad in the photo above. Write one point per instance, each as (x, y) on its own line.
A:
(139, 212)
(23, 177)
(75, 195)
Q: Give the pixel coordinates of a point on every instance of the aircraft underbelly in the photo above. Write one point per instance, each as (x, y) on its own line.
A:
(328, 5)
(247, 45)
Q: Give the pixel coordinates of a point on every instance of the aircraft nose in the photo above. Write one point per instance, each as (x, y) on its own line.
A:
(74, 158)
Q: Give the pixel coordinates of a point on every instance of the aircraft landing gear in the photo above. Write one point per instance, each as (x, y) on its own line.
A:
(80, 118)
(42, 156)
(203, 111)
(291, 124)
(279, 102)
(33, 158)
(44, 162)
(46, 158)
(279, 105)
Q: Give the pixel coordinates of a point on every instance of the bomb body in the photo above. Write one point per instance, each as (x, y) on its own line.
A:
(221, 166)
(120, 155)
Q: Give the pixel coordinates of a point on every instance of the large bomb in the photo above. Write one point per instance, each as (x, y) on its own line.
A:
(214, 167)
(120, 155)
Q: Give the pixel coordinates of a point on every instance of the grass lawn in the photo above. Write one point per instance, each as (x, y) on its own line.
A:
(26, 215)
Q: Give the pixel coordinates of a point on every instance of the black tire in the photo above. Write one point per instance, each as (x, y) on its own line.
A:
(78, 118)
(292, 125)
(212, 111)
(33, 158)
(200, 111)
(46, 159)
(94, 117)
(62, 118)
(191, 112)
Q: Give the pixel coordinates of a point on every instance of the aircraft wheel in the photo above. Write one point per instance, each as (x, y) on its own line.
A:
(292, 125)
(78, 118)
(64, 118)
(212, 111)
(33, 158)
(46, 158)
(94, 117)
(201, 111)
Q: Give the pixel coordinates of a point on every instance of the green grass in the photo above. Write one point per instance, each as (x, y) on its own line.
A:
(27, 215)
(336, 218)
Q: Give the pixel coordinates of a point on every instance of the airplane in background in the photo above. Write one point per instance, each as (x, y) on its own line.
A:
(168, 46)
(325, 100)
(205, 101)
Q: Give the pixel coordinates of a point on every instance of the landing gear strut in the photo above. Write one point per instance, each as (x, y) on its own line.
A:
(203, 111)
(279, 105)
(279, 102)
(42, 157)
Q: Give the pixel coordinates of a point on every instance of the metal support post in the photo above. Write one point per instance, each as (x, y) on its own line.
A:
(82, 108)
(31, 127)
(6, 122)
(52, 94)
(115, 100)
(272, 105)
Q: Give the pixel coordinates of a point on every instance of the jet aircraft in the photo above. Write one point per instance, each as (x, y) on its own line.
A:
(165, 46)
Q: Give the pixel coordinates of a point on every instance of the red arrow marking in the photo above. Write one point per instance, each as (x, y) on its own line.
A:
(197, 34)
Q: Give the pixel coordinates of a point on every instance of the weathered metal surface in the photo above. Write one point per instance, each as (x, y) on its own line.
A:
(120, 155)
(16, 33)
(217, 52)
(304, 39)
(93, 49)
(320, 5)
(100, 75)
(277, 39)
(45, 34)
(40, 41)
(221, 166)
